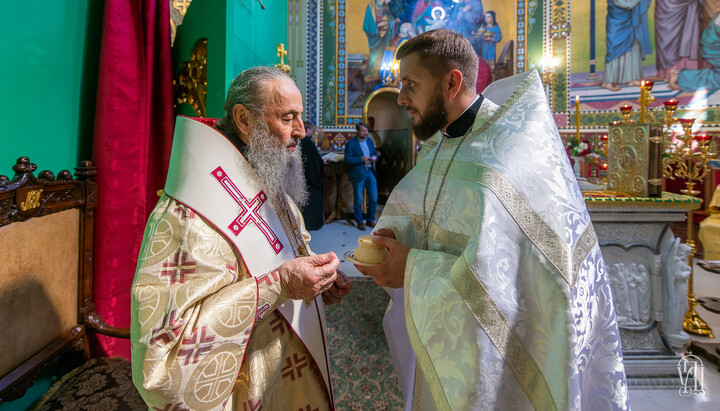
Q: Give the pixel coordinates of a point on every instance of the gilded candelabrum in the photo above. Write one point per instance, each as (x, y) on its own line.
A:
(646, 98)
(626, 112)
(684, 162)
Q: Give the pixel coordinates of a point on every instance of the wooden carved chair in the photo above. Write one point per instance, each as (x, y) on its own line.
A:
(46, 238)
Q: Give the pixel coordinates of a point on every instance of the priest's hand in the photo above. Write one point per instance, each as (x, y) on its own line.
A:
(304, 278)
(391, 272)
(339, 289)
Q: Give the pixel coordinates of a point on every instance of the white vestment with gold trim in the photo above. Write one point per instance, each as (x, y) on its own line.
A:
(509, 306)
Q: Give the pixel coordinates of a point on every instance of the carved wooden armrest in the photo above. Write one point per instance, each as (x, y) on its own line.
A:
(98, 324)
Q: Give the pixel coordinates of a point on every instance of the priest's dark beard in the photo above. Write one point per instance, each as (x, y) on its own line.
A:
(433, 119)
(280, 170)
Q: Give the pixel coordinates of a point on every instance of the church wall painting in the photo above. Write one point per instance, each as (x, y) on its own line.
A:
(342, 52)
(668, 41)
(359, 37)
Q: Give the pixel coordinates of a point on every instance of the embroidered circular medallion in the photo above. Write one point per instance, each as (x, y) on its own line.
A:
(214, 378)
(163, 238)
(236, 314)
(208, 245)
(151, 304)
(169, 381)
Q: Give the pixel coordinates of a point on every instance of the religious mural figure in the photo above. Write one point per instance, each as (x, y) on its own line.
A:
(628, 42)
(490, 34)
(707, 78)
(466, 18)
(380, 26)
(677, 36)
(431, 16)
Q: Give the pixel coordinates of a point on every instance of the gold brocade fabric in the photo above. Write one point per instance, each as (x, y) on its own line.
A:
(205, 334)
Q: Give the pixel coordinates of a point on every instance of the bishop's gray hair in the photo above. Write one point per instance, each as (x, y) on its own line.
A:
(248, 89)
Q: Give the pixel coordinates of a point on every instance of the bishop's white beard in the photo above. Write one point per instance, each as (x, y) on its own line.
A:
(280, 170)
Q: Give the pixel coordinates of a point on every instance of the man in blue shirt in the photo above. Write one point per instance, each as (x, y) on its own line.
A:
(360, 155)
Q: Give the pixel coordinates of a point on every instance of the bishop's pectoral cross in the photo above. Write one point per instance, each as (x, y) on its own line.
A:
(248, 210)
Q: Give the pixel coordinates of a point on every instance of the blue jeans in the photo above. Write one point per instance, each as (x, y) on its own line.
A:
(371, 184)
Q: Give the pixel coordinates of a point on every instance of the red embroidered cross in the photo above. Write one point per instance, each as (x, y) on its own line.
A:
(184, 212)
(176, 270)
(277, 323)
(168, 330)
(269, 278)
(170, 407)
(252, 407)
(196, 347)
(289, 368)
(248, 210)
(308, 408)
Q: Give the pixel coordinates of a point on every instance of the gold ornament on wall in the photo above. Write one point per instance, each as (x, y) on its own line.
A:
(282, 53)
(190, 84)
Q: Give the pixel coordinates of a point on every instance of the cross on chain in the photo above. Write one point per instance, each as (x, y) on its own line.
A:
(248, 210)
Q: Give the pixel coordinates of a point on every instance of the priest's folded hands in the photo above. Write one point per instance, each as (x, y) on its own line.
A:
(391, 272)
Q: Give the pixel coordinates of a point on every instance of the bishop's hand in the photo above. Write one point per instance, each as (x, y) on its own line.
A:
(339, 289)
(304, 278)
(391, 272)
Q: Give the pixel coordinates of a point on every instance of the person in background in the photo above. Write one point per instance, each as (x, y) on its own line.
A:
(313, 165)
(361, 155)
(373, 134)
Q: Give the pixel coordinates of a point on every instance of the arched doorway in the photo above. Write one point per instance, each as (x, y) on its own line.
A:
(396, 142)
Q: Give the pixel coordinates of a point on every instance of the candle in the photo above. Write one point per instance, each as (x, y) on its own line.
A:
(603, 166)
(670, 104)
(603, 137)
(688, 121)
(577, 117)
(626, 109)
(647, 84)
(703, 138)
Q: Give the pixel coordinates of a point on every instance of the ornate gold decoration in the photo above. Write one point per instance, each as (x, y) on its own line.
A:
(190, 84)
(690, 165)
(178, 9)
(560, 30)
(282, 53)
(646, 98)
(32, 200)
(634, 159)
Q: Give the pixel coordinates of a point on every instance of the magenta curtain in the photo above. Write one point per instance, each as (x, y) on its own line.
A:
(131, 147)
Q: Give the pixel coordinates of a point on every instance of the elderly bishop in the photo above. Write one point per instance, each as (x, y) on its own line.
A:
(227, 301)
